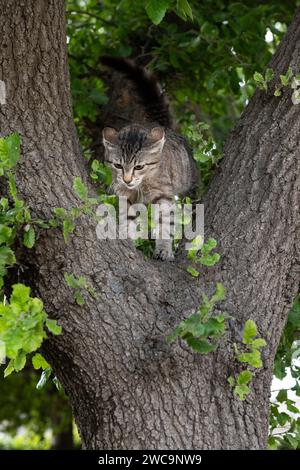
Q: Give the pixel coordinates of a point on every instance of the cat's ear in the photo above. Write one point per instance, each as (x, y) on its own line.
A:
(110, 136)
(156, 139)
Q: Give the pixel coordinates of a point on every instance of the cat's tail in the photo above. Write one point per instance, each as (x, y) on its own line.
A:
(148, 88)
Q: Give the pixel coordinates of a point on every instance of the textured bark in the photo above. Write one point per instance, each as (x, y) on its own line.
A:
(127, 388)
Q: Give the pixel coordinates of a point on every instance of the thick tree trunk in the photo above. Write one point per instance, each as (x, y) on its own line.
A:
(128, 389)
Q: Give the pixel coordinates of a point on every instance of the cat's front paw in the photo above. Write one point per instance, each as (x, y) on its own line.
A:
(163, 254)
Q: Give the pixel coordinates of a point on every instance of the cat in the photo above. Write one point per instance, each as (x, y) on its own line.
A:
(150, 163)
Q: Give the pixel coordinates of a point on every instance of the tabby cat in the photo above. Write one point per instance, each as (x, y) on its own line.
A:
(150, 163)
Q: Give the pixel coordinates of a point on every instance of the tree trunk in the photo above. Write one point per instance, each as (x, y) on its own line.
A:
(127, 388)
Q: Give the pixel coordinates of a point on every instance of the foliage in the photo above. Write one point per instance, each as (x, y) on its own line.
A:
(217, 46)
(66, 219)
(249, 354)
(287, 80)
(23, 320)
(156, 9)
(202, 256)
(22, 327)
(284, 417)
(240, 384)
(41, 415)
(23, 323)
(80, 286)
(14, 215)
(205, 149)
(262, 81)
(202, 331)
(101, 174)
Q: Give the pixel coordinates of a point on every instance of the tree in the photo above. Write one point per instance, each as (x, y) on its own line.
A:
(127, 387)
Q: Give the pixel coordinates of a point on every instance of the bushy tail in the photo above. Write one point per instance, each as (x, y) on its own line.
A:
(148, 88)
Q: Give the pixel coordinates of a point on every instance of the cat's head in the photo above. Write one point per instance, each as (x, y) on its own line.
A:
(133, 153)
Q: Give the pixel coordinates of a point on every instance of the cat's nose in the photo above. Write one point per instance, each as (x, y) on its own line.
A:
(127, 178)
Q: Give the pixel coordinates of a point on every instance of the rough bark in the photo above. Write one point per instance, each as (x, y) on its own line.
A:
(127, 388)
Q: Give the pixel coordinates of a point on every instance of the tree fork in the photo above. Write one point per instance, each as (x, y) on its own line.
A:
(127, 388)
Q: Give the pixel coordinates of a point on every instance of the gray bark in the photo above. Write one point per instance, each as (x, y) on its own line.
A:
(127, 388)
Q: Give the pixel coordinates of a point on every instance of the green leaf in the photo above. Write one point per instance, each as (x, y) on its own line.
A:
(208, 246)
(79, 299)
(283, 418)
(7, 256)
(80, 188)
(250, 331)
(60, 212)
(20, 361)
(13, 189)
(81, 282)
(272, 444)
(10, 150)
(220, 293)
(277, 92)
(5, 234)
(244, 377)
(156, 10)
(44, 377)
(289, 73)
(214, 327)
(285, 79)
(29, 237)
(258, 77)
(231, 381)
(68, 228)
(258, 343)
(9, 369)
(269, 75)
(4, 203)
(71, 280)
(192, 271)
(292, 441)
(192, 325)
(53, 326)
(95, 165)
(13, 142)
(102, 172)
(209, 260)
(34, 341)
(39, 362)
(282, 396)
(20, 294)
(201, 346)
(242, 391)
(196, 245)
(291, 407)
(185, 9)
(251, 358)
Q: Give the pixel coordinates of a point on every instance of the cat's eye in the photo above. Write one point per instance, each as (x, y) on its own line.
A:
(139, 167)
(117, 165)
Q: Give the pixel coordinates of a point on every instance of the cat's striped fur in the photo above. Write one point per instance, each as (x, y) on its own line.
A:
(150, 162)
